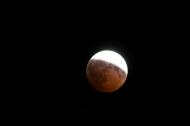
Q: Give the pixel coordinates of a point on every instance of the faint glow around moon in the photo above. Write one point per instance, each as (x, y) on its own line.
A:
(112, 57)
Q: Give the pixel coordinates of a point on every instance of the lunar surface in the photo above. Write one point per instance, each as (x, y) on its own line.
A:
(107, 71)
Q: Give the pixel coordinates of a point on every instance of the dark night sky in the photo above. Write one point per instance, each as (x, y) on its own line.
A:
(63, 63)
(65, 80)
(56, 52)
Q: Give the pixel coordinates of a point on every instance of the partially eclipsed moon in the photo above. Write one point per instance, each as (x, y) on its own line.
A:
(107, 71)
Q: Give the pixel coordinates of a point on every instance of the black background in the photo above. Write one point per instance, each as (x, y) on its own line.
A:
(53, 49)
(58, 79)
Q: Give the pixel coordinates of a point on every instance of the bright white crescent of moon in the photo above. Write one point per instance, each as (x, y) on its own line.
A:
(112, 57)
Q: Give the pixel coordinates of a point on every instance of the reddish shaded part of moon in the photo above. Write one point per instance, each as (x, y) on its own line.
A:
(105, 76)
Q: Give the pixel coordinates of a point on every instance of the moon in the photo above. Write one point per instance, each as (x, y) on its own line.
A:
(106, 71)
